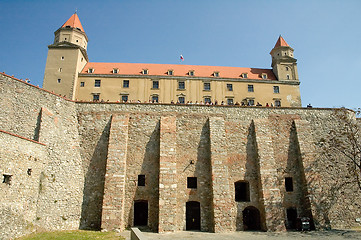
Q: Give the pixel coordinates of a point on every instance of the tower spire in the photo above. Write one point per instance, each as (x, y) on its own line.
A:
(73, 22)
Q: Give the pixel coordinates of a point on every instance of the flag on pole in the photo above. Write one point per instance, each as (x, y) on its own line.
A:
(181, 58)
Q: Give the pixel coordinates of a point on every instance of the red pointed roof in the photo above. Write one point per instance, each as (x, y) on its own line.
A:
(73, 22)
(281, 42)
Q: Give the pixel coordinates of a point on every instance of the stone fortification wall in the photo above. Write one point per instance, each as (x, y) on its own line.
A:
(89, 157)
(23, 161)
(260, 145)
(57, 187)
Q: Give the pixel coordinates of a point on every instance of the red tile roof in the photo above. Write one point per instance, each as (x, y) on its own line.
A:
(178, 70)
(73, 22)
(281, 42)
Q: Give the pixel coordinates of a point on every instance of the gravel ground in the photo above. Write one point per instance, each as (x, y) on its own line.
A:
(315, 235)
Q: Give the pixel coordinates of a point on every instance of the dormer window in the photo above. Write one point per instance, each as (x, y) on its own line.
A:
(244, 75)
(216, 74)
(91, 70)
(145, 71)
(170, 72)
(191, 73)
(264, 76)
(78, 29)
(67, 26)
(115, 70)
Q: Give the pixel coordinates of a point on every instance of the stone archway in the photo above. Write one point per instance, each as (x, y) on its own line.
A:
(251, 219)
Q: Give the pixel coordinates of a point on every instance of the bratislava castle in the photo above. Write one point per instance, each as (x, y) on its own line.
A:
(69, 72)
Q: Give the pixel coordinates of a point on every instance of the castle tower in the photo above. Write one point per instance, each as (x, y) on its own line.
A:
(283, 62)
(67, 56)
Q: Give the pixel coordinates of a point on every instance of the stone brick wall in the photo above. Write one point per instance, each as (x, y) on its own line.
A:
(58, 178)
(89, 155)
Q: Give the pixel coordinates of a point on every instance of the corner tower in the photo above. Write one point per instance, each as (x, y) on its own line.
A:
(284, 64)
(67, 56)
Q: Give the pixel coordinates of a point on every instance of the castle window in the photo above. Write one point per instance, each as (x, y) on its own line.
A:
(141, 180)
(276, 89)
(250, 88)
(82, 84)
(287, 68)
(60, 69)
(229, 87)
(155, 84)
(207, 86)
(277, 103)
(29, 171)
(289, 184)
(170, 72)
(76, 40)
(181, 100)
(7, 178)
(191, 73)
(124, 98)
(97, 83)
(96, 97)
(264, 76)
(244, 75)
(191, 182)
(181, 85)
(59, 80)
(155, 98)
(288, 77)
(242, 193)
(230, 101)
(145, 71)
(90, 70)
(207, 100)
(125, 83)
(81, 59)
(62, 58)
(115, 70)
(216, 74)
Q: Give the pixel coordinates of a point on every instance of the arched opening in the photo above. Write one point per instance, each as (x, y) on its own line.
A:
(291, 218)
(251, 219)
(193, 215)
(141, 213)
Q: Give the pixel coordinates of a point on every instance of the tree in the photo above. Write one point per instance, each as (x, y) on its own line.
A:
(343, 142)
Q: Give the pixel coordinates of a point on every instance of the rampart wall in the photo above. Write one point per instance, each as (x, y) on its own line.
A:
(89, 155)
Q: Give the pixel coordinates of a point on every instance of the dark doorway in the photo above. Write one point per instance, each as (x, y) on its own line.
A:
(291, 218)
(141, 213)
(251, 219)
(193, 216)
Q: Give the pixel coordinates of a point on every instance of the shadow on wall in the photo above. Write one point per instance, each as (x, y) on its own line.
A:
(204, 173)
(150, 192)
(252, 195)
(295, 170)
(93, 191)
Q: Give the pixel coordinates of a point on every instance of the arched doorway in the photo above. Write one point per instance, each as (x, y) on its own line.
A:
(251, 219)
(141, 213)
(193, 215)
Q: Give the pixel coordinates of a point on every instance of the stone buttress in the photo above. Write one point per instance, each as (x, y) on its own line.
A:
(115, 175)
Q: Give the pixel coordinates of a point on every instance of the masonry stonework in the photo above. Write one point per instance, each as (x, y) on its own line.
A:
(86, 158)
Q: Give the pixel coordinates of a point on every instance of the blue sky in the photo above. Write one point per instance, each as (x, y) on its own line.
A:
(326, 36)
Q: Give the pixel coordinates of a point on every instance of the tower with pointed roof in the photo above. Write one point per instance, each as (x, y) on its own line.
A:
(66, 58)
(284, 64)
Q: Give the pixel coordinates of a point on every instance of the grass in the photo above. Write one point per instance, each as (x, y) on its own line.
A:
(72, 235)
